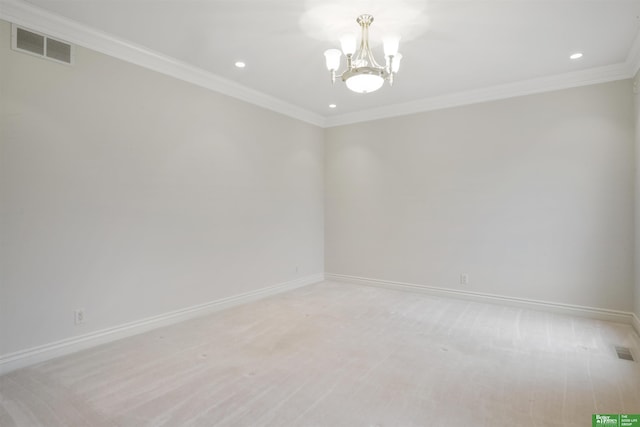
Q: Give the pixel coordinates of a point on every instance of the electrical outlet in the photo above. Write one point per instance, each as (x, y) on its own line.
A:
(78, 316)
(464, 279)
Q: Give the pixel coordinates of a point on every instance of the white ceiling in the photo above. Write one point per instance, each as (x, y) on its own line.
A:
(449, 47)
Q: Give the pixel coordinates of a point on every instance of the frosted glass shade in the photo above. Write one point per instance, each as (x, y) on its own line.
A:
(332, 56)
(348, 44)
(395, 65)
(365, 83)
(391, 46)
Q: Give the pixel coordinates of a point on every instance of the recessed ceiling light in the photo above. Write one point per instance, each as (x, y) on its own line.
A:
(576, 55)
(240, 64)
(332, 105)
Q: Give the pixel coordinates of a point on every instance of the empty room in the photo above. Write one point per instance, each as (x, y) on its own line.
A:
(319, 213)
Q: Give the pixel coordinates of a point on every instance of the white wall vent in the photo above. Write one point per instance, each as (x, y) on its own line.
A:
(38, 44)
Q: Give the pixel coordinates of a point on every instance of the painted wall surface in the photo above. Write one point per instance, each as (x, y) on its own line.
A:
(532, 197)
(131, 194)
(637, 196)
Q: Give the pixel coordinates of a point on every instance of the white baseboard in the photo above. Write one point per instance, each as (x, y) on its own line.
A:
(635, 321)
(20, 359)
(553, 307)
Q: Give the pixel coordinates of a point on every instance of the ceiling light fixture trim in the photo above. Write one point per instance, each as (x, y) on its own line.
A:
(363, 73)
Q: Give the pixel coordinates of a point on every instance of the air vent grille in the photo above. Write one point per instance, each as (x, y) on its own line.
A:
(31, 42)
(58, 50)
(41, 45)
(624, 353)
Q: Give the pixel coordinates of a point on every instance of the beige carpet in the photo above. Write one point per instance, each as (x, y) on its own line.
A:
(340, 355)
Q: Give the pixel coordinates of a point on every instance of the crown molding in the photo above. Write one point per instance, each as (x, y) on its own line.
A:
(35, 18)
(526, 87)
(22, 13)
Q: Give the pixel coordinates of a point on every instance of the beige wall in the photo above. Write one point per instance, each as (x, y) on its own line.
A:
(531, 196)
(131, 194)
(637, 195)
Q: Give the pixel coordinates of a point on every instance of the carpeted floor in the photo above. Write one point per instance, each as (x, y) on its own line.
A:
(340, 355)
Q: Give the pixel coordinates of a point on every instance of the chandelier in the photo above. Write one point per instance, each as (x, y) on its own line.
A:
(363, 74)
